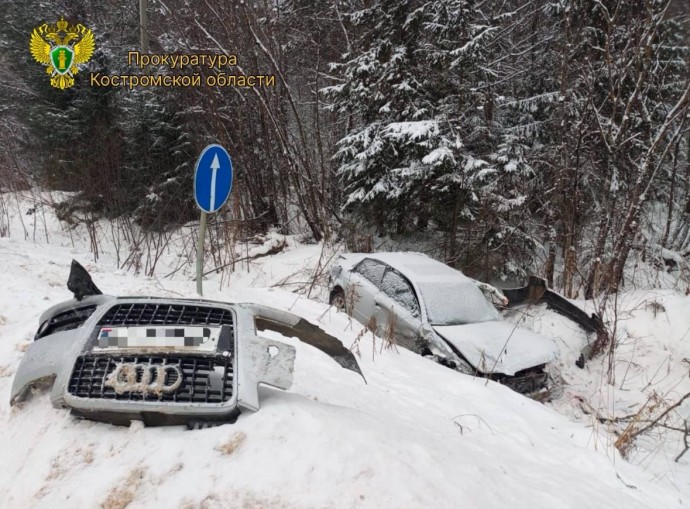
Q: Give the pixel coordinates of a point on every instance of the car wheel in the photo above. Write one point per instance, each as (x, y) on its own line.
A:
(338, 299)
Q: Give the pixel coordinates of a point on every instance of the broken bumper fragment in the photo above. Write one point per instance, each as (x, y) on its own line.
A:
(163, 361)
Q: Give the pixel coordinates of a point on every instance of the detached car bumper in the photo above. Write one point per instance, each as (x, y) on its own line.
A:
(162, 361)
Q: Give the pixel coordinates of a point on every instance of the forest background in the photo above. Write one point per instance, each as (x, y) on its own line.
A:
(504, 137)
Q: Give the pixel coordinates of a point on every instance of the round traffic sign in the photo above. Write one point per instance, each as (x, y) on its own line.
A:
(212, 178)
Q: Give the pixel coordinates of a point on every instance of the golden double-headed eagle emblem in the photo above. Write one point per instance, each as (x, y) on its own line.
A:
(62, 48)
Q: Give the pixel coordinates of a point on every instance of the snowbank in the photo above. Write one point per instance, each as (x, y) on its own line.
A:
(415, 435)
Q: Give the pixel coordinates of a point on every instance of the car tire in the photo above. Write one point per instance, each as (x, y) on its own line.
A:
(337, 299)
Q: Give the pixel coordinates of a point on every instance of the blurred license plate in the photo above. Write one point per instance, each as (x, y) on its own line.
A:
(177, 338)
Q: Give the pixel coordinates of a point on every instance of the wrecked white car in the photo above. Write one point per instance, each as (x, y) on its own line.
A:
(161, 360)
(436, 311)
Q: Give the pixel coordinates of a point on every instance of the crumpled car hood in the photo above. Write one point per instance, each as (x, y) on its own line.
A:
(485, 342)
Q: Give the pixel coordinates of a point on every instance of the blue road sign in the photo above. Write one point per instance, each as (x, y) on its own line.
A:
(212, 178)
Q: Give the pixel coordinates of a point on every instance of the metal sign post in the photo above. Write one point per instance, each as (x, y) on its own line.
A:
(212, 186)
(200, 252)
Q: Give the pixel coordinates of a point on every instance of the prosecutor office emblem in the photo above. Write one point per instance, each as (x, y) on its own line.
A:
(62, 48)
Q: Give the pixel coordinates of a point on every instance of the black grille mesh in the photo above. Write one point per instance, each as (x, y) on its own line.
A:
(67, 320)
(205, 379)
(165, 314)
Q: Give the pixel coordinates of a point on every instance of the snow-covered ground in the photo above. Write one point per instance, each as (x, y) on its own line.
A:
(651, 365)
(415, 435)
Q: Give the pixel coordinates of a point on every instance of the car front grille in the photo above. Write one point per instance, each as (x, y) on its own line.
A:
(160, 378)
(67, 320)
(526, 383)
(165, 314)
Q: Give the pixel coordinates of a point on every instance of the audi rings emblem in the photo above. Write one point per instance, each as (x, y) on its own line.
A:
(145, 378)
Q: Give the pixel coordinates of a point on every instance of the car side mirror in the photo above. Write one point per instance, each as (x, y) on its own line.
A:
(425, 331)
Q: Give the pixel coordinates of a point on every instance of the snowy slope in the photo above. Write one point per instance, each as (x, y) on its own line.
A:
(651, 365)
(415, 435)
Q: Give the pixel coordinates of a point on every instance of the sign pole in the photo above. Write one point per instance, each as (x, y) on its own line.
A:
(200, 253)
(212, 186)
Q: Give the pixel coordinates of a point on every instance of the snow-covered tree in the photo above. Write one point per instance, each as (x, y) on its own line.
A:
(407, 89)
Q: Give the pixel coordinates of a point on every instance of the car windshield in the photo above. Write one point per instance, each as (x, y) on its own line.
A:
(456, 303)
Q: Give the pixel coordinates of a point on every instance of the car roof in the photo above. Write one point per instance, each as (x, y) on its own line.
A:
(417, 267)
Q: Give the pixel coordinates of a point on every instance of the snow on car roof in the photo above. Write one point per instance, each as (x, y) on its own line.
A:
(417, 266)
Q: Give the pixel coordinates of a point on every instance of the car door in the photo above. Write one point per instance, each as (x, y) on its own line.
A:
(364, 284)
(397, 310)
